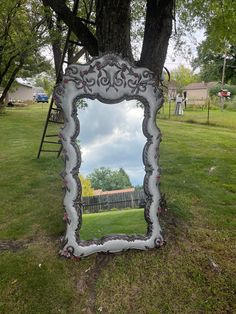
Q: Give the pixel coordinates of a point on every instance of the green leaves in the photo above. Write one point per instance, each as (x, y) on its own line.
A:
(23, 35)
(108, 179)
(87, 189)
(210, 62)
(216, 17)
(183, 76)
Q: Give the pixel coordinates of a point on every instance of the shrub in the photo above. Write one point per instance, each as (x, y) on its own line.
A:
(230, 104)
(216, 89)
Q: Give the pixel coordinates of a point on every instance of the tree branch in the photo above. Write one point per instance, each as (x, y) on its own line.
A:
(86, 38)
(77, 56)
(87, 21)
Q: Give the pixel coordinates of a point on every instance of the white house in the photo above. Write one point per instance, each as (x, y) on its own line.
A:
(198, 93)
(23, 91)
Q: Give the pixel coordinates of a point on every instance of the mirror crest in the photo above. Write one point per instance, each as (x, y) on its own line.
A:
(109, 79)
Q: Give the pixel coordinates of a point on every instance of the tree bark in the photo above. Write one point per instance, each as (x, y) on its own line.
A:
(55, 41)
(113, 27)
(9, 83)
(113, 30)
(158, 28)
(4, 72)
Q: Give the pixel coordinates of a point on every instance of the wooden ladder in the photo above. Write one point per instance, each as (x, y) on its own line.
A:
(54, 115)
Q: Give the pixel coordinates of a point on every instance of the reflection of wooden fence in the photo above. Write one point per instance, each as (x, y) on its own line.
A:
(94, 204)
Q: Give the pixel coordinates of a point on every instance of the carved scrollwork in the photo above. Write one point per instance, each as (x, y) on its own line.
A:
(99, 74)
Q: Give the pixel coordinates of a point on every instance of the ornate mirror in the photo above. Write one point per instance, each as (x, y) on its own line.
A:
(111, 80)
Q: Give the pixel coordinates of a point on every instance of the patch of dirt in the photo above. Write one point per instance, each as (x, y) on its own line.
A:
(173, 227)
(87, 282)
(13, 246)
(17, 245)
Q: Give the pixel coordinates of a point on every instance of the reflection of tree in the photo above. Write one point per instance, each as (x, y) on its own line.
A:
(139, 104)
(81, 104)
(87, 189)
(108, 179)
(138, 188)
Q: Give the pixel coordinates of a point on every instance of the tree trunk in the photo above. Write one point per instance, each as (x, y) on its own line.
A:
(55, 40)
(113, 30)
(113, 26)
(4, 72)
(158, 28)
(9, 84)
(57, 55)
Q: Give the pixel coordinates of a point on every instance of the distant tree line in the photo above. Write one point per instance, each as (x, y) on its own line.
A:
(109, 180)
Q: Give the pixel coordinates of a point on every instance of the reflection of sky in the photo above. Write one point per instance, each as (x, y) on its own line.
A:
(111, 136)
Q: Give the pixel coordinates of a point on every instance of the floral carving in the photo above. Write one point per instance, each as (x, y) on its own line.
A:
(121, 76)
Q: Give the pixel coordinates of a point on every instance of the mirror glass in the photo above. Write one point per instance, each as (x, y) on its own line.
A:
(111, 142)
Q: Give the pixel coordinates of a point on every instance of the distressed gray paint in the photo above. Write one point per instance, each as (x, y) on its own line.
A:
(110, 80)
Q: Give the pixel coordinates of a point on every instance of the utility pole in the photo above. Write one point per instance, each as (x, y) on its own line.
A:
(223, 72)
(223, 76)
(223, 81)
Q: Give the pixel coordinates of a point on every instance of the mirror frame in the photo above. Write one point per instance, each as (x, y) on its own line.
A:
(109, 79)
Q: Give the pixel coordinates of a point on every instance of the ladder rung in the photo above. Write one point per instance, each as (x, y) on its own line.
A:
(75, 42)
(49, 151)
(59, 152)
(56, 109)
(58, 122)
(51, 135)
(52, 142)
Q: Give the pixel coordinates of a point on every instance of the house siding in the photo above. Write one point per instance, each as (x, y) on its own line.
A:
(197, 97)
(198, 93)
(22, 93)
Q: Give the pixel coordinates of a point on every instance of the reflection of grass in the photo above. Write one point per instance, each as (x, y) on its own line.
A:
(192, 274)
(127, 221)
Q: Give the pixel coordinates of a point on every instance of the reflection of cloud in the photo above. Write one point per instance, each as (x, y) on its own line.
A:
(111, 136)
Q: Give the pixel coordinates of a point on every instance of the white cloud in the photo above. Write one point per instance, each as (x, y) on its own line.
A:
(111, 136)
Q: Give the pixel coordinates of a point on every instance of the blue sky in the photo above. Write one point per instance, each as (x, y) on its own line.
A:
(111, 136)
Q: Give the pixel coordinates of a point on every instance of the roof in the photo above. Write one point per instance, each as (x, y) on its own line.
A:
(23, 82)
(101, 192)
(202, 85)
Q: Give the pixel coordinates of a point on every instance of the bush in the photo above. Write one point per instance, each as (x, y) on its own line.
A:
(214, 102)
(230, 104)
(216, 89)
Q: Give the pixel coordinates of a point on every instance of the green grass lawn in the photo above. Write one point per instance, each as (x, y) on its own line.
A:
(193, 273)
(226, 118)
(127, 221)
